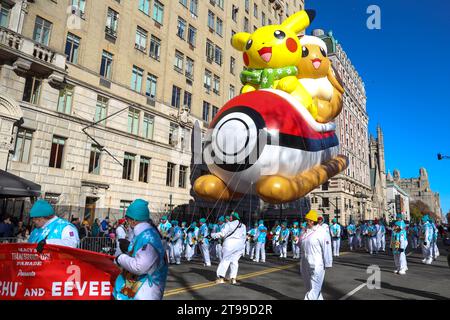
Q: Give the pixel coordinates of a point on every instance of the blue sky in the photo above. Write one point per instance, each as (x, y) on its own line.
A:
(406, 70)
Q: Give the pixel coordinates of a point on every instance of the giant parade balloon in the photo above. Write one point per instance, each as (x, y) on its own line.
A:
(276, 139)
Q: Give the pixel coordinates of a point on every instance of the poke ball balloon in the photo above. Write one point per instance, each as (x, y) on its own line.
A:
(266, 143)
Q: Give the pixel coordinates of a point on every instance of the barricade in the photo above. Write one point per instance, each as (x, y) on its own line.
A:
(99, 244)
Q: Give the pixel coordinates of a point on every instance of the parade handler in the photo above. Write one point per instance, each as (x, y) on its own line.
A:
(314, 257)
(51, 229)
(143, 260)
(234, 235)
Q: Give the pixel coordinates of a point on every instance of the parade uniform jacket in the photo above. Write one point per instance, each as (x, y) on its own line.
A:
(164, 229)
(426, 233)
(192, 236)
(252, 233)
(276, 233)
(295, 234)
(146, 261)
(351, 229)
(233, 241)
(372, 231)
(399, 241)
(260, 235)
(335, 230)
(176, 235)
(203, 234)
(314, 248)
(284, 235)
(56, 231)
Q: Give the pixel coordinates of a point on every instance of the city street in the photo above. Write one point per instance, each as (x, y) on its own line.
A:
(346, 280)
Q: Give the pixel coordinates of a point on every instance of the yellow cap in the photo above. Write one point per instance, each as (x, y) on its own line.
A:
(312, 215)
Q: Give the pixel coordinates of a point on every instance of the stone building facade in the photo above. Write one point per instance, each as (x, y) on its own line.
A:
(419, 189)
(110, 92)
(378, 176)
(349, 192)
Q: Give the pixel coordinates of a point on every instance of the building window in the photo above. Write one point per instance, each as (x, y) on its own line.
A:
(100, 109)
(218, 55)
(209, 50)
(182, 177)
(207, 80)
(220, 3)
(325, 186)
(5, 11)
(141, 39)
(219, 27)
(205, 115)
(176, 97)
(136, 79)
(192, 35)
(148, 126)
(150, 89)
(189, 68)
(194, 7)
(211, 18)
(144, 6)
(246, 25)
(216, 88)
(57, 151)
(42, 29)
(181, 30)
(106, 65)
(94, 160)
(144, 166)
(65, 100)
(255, 10)
(325, 202)
(215, 110)
(155, 48)
(247, 5)
(231, 92)
(170, 176)
(179, 61)
(232, 65)
(80, 4)
(234, 11)
(23, 145)
(72, 45)
(112, 22)
(133, 120)
(187, 100)
(173, 139)
(158, 12)
(128, 166)
(32, 90)
(263, 18)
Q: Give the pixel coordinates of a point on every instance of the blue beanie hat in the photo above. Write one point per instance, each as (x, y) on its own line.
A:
(399, 215)
(175, 223)
(41, 208)
(202, 220)
(304, 224)
(164, 218)
(425, 218)
(334, 220)
(261, 221)
(138, 210)
(221, 219)
(295, 223)
(235, 215)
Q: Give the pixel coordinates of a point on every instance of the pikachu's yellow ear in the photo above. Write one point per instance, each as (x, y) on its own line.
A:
(239, 40)
(299, 21)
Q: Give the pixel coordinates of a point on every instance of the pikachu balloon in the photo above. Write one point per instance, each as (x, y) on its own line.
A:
(267, 141)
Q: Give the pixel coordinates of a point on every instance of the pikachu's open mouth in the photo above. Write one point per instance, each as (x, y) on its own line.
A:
(266, 53)
(316, 63)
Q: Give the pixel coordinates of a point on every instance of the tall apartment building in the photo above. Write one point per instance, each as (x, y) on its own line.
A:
(98, 99)
(348, 195)
(379, 185)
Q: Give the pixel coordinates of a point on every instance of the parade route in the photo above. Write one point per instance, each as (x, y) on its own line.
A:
(281, 280)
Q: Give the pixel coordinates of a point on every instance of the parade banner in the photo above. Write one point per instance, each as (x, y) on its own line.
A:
(58, 273)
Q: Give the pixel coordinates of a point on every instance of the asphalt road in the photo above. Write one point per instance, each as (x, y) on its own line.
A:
(281, 280)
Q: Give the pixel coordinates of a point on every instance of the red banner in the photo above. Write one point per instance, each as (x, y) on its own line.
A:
(58, 273)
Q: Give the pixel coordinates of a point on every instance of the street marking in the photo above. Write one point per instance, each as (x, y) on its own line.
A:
(348, 295)
(213, 283)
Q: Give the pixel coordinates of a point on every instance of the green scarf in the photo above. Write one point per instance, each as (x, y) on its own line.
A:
(265, 78)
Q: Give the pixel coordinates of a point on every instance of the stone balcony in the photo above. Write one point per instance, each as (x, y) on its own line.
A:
(30, 57)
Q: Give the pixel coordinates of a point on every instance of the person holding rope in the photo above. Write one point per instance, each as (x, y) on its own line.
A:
(314, 259)
(233, 235)
(143, 260)
(203, 242)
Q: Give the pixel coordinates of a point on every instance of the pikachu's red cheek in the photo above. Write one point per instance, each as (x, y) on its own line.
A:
(246, 59)
(291, 45)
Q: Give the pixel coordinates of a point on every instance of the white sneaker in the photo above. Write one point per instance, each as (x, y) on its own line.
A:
(402, 272)
(429, 261)
(396, 271)
(424, 260)
(220, 280)
(233, 281)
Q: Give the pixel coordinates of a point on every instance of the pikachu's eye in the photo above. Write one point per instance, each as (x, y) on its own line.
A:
(249, 44)
(323, 52)
(279, 34)
(305, 52)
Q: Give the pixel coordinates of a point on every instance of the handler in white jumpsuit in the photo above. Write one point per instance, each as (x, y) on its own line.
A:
(314, 258)
(329, 249)
(204, 242)
(233, 234)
